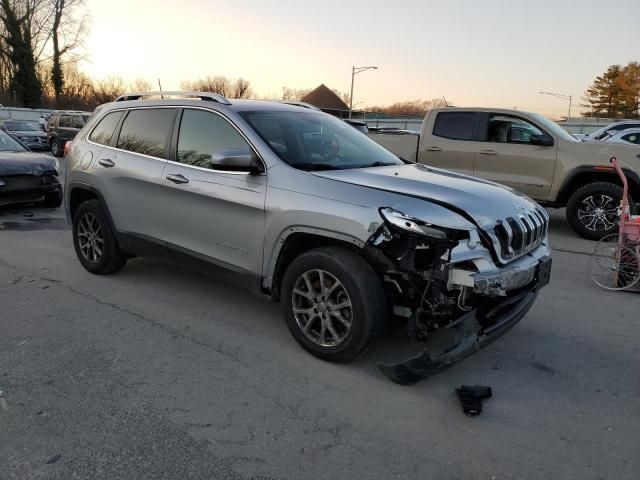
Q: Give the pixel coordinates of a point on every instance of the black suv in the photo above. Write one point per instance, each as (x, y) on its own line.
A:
(62, 127)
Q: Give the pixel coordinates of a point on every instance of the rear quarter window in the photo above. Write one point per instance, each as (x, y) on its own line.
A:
(103, 132)
(455, 125)
(147, 131)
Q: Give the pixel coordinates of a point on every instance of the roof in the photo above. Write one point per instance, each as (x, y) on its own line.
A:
(322, 97)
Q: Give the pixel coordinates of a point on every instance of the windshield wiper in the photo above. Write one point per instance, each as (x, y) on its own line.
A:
(381, 164)
(310, 166)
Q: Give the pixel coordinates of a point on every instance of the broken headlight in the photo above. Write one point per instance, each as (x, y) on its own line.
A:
(409, 224)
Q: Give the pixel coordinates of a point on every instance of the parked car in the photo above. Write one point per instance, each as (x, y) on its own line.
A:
(630, 136)
(27, 177)
(42, 121)
(294, 203)
(62, 127)
(608, 130)
(27, 132)
(358, 125)
(527, 152)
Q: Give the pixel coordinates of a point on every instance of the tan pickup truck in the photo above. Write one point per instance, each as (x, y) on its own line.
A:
(528, 152)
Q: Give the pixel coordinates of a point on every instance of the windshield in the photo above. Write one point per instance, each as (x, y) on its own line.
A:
(22, 126)
(553, 127)
(9, 144)
(314, 141)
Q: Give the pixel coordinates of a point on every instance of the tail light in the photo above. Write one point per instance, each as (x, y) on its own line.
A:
(67, 147)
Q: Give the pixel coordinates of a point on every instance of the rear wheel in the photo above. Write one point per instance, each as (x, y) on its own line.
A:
(56, 149)
(592, 210)
(94, 241)
(334, 304)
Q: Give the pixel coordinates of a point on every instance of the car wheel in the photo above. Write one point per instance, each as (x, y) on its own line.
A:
(94, 241)
(51, 200)
(56, 151)
(592, 210)
(333, 301)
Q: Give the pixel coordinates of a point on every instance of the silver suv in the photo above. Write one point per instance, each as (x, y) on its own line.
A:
(300, 206)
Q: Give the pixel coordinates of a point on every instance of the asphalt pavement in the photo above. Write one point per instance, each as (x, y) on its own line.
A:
(157, 372)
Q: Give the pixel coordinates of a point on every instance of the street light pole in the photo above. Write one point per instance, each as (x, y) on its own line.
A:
(563, 96)
(354, 71)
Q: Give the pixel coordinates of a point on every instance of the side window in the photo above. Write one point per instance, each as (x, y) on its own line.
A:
(202, 133)
(103, 132)
(65, 120)
(77, 121)
(632, 137)
(147, 131)
(455, 125)
(53, 121)
(507, 129)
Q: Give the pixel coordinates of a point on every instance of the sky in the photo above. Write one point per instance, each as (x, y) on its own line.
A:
(473, 52)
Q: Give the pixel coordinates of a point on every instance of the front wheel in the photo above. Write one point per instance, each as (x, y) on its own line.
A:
(334, 304)
(592, 210)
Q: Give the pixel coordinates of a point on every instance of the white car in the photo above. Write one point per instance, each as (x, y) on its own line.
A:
(630, 136)
(610, 129)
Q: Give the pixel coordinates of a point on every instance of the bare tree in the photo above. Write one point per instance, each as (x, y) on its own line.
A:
(242, 89)
(294, 94)
(415, 108)
(140, 85)
(108, 89)
(239, 88)
(66, 32)
(22, 24)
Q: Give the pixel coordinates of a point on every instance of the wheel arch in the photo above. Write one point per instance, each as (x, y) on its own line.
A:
(293, 242)
(80, 193)
(584, 175)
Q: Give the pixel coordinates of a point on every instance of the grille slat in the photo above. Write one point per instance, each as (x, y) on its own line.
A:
(515, 236)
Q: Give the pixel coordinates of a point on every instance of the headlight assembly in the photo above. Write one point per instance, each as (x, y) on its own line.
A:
(409, 224)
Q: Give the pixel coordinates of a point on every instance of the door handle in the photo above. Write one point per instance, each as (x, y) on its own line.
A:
(434, 149)
(106, 162)
(488, 152)
(177, 178)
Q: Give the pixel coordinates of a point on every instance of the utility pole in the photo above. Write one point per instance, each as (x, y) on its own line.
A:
(354, 71)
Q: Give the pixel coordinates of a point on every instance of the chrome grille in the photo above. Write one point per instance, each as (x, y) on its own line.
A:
(516, 236)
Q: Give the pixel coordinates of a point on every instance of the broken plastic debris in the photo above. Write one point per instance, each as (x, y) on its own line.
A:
(471, 398)
(3, 402)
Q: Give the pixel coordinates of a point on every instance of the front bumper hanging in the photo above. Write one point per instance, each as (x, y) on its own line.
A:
(467, 339)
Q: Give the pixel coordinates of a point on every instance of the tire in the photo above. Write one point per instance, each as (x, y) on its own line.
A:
(584, 214)
(358, 285)
(90, 219)
(56, 149)
(51, 200)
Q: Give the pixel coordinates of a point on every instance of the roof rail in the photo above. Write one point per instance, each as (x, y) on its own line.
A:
(208, 96)
(298, 104)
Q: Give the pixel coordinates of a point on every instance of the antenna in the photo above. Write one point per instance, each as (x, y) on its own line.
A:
(445, 101)
(160, 88)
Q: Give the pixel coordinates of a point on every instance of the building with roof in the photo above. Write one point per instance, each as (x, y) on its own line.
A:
(327, 101)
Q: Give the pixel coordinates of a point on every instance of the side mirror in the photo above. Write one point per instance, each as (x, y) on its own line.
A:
(543, 140)
(241, 160)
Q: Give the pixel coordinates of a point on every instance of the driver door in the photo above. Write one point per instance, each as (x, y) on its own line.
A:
(506, 156)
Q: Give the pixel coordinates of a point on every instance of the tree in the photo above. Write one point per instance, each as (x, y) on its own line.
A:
(615, 93)
(19, 20)
(414, 108)
(224, 86)
(66, 34)
(294, 94)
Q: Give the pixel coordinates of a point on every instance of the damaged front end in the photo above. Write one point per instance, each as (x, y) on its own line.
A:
(448, 283)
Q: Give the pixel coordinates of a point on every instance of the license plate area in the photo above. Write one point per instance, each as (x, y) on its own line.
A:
(543, 272)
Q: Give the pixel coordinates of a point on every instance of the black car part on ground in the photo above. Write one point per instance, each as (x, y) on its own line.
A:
(472, 397)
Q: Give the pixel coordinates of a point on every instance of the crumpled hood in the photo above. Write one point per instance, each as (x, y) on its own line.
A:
(25, 163)
(483, 201)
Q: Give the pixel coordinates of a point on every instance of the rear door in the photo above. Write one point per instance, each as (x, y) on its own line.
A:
(505, 154)
(216, 216)
(128, 172)
(451, 143)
